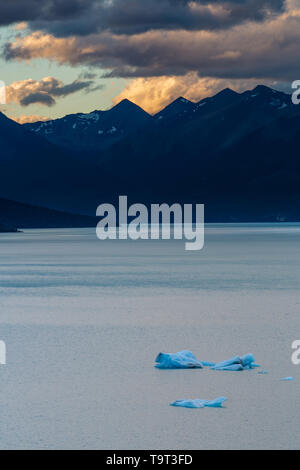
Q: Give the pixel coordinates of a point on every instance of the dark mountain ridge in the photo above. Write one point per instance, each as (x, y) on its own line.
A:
(235, 152)
(24, 216)
(94, 131)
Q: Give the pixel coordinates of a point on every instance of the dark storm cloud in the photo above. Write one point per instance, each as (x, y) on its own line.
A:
(13, 11)
(252, 49)
(260, 50)
(40, 98)
(63, 90)
(46, 91)
(136, 16)
(83, 17)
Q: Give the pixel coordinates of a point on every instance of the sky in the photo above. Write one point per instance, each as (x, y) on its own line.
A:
(59, 57)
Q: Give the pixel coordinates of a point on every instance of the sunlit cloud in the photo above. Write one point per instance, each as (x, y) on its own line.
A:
(153, 94)
(44, 92)
(21, 26)
(266, 50)
(167, 49)
(24, 118)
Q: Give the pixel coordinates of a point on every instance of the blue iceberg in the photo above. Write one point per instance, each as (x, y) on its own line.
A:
(236, 363)
(287, 379)
(179, 360)
(217, 403)
(187, 360)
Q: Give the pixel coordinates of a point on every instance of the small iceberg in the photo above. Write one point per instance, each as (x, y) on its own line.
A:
(287, 379)
(179, 360)
(236, 363)
(187, 360)
(217, 403)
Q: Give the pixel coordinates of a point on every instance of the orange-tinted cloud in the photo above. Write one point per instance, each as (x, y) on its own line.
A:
(267, 50)
(40, 45)
(45, 91)
(153, 94)
(24, 118)
(21, 26)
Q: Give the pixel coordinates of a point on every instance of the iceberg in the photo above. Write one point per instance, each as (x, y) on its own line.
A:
(287, 379)
(179, 360)
(217, 403)
(236, 363)
(187, 360)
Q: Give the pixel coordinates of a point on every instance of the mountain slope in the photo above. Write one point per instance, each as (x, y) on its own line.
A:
(16, 214)
(237, 153)
(179, 107)
(233, 154)
(182, 110)
(37, 172)
(7, 229)
(219, 123)
(94, 131)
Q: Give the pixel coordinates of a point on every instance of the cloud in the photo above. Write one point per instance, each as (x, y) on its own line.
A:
(266, 50)
(44, 92)
(153, 94)
(15, 11)
(41, 97)
(24, 118)
(83, 17)
(21, 26)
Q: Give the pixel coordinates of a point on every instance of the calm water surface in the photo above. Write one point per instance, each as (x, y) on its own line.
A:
(83, 321)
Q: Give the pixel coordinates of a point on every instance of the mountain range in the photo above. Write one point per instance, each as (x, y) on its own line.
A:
(235, 152)
(13, 214)
(95, 131)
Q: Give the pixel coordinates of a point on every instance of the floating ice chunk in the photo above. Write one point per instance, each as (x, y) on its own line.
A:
(187, 360)
(207, 364)
(179, 360)
(263, 372)
(236, 363)
(287, 379)
(232, 367)
(217, 403)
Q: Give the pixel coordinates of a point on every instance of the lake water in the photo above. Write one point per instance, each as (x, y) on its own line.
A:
(83, 321)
